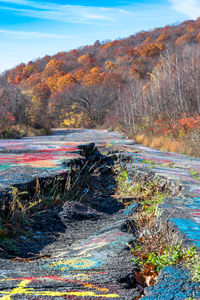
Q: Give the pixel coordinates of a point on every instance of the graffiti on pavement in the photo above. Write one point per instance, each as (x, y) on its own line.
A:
(23, 288)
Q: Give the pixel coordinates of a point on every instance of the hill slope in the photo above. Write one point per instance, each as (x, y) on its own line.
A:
(146, 79)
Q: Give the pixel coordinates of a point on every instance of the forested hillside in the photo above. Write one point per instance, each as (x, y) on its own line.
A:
(146, 83)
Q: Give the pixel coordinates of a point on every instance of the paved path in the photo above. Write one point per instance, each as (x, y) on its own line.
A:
(182, 172)
(28, 158)
(90, 267)
(89, 259)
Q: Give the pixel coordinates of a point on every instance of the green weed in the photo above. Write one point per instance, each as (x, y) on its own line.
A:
(147, 192)
(151, 162)
(152, 251)
(171, 256)
(194, 174)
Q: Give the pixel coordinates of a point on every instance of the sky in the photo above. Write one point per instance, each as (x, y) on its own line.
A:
(32, 29)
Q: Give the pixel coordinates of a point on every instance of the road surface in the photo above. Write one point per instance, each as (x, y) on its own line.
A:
(89, 259)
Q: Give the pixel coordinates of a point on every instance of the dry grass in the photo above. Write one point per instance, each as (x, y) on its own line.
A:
(176, 145)
(140, 138)
(193, 142)
(171, 144)
(155, 142)
(187, 144)
(157, 244)
(153, 237)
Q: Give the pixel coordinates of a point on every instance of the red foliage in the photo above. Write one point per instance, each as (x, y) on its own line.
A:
(182, 125)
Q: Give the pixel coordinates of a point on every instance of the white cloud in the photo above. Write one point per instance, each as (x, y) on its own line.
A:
(21, 2)
(190, 8)
(67, 13)
(32, 34)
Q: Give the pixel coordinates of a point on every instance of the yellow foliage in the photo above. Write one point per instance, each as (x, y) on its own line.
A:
(92, 77)
(107, 45)
(110, 65)
(53, 67)
(66, 80)
(79, 75)
(73, 119)
(95, 70)
(9, 79)
(74, 106)
(152, 76)
(52, 81)
(82, 59)
(144, 88)
(190, 28)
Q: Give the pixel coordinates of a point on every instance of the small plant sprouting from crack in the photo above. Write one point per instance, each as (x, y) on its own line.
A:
(157, 246)
(147, 193)
(194, 174)
(152, 263)
(171, 256)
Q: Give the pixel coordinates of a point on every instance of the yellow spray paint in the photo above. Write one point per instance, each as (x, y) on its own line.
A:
(22, 289)
(16, 291)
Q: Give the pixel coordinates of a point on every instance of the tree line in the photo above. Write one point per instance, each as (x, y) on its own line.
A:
(149, 80)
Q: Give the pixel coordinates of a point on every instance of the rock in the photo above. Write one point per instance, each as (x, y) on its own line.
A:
(77, 211)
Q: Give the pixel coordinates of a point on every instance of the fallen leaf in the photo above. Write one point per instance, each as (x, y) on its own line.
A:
(150, 280)
(30, 259)
(140, 278)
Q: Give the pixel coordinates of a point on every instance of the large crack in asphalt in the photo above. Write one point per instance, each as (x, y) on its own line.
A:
(80, 249)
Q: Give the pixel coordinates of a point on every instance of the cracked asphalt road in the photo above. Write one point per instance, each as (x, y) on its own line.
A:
(89, 259)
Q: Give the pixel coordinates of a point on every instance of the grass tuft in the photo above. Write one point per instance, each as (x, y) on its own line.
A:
(157, 245)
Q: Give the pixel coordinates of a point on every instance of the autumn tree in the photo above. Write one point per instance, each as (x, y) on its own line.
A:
(52, 67)
(12, 106)
(38, 108)
(86, 60)
(149, 74)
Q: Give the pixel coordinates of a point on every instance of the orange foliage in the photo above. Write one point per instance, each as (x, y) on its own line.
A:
(66, 81)
(86, 60)
(131, 61)
(17, 79)
(163, 36)
(94, 76)
(41, 90)
(33, 79)
(15, 75)
(52, 81)
(198, 37)
(53, 67)
(79, 75)
(187, 37)
(110, 65)
(151, 49)
(138, 69)
(191, 27)
(107, 45)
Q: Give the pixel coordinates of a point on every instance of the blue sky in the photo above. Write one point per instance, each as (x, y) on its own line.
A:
(32, 29)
